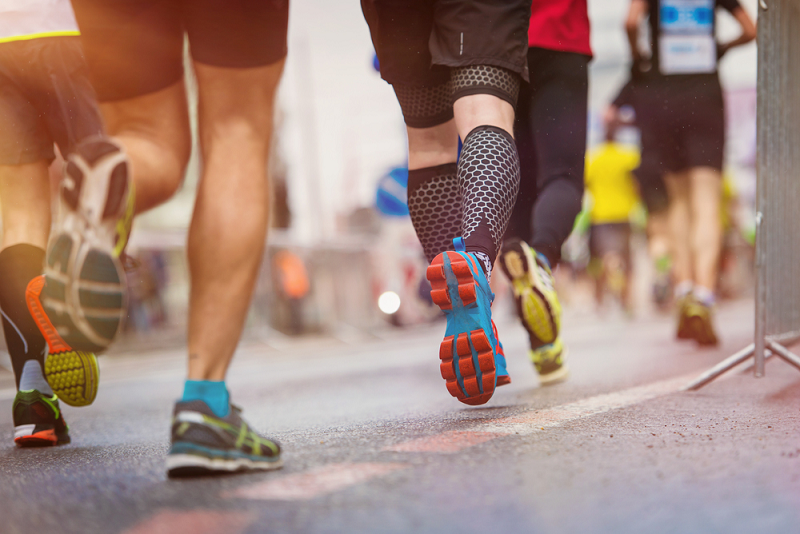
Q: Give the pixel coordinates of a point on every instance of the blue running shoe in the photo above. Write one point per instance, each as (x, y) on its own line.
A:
(470, 347)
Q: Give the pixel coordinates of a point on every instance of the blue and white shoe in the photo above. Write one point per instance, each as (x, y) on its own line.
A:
(470, 347)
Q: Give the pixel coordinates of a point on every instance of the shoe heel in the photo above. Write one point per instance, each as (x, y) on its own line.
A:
(460, 267)
(54, 341)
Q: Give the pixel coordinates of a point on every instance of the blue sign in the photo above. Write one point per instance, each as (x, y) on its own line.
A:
(392, 195)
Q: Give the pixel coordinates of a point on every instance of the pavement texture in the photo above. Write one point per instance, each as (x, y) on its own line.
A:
(373, 442)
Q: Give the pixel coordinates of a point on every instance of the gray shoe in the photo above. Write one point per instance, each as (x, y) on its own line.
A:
(204, 444)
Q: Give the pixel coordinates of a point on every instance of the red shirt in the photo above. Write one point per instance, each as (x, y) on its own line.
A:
(561, 25)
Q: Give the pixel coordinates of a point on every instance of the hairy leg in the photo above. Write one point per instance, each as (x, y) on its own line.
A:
(229, 226)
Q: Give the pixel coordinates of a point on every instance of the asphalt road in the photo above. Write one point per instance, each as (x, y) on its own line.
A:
(373, 442)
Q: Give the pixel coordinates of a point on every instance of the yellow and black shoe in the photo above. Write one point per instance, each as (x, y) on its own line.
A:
(532, 283)
(73, 375)
(549, 363)
(698, 322)
(38, 421)
(85, 291)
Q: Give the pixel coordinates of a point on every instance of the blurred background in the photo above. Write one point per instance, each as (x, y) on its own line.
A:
(343, 259)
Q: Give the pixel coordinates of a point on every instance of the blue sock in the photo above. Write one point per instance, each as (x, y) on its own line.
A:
(212, 392)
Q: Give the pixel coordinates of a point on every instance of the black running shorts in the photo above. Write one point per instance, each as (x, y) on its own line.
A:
(135, 47)
(45, 98)
(685, 124)
(418, 40)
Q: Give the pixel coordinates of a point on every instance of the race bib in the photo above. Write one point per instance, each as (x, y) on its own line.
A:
(686, 41)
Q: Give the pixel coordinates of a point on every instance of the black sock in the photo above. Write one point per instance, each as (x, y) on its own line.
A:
(434, 203)
(19, 264)
(488, 176)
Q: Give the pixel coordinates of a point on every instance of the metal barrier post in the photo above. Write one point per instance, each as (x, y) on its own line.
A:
(777, 321)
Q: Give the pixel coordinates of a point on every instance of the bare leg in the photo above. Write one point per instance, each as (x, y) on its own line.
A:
(229, 226)
(706, 237)
(428, 147)
(482, 110)
(25, 201)
(154, 128)
(658, 238)
(680, 224)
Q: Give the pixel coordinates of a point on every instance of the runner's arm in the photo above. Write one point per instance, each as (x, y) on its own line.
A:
(636, 13)
(748, 31)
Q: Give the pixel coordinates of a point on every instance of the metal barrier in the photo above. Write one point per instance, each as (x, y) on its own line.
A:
(778, 195)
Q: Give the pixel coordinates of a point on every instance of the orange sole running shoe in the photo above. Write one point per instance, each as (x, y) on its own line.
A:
(38, 421)
(469, 348)
(73, 375)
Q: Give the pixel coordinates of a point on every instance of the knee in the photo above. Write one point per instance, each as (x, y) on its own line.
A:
(236, 134)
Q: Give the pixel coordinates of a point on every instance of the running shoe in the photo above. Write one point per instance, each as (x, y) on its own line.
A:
(73, 375)
(38, 421)
(683, 331)
(549, 363)
(84, 295)
(470, 347)
(534, 292)
(698, 320)
(503, 378)
(204, 444)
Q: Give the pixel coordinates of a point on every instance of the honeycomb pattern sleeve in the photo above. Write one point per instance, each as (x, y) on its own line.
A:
(485, 79)
(425, 107)
(488, 179)
(434, 203)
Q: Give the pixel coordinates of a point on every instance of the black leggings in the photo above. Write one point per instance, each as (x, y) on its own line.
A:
(550, 132)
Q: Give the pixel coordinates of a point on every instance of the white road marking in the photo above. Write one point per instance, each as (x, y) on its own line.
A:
(318, 481)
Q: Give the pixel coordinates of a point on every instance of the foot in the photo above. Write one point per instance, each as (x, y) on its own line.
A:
(73, 375)
(38, 421)
(84, 295)
(699, 323)
(537, 306)
(683, 331)
(470, 348)
(205, 444)
(549, 363)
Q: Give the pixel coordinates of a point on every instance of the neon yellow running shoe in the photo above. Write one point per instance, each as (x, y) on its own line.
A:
(73, 375)
(532, 283)
(549, 363)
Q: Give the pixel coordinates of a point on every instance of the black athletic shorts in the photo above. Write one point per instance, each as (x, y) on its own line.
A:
(45, 98)
(609, 238)
(417, 41)
(685, 125)
(135, 47)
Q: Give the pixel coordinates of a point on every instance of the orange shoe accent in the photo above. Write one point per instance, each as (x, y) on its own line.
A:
(43, 437)
(501, 380)
(51, 335)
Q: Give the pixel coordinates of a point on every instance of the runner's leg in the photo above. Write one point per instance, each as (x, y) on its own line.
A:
(680, 223)
(705, 184)
(229, 226)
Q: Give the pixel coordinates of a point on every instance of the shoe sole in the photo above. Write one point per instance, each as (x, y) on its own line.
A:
(25, 436)
(85, 294)
(532, 306)
(697, 327)
(73, 375)
(467, 357)
(502, 379)
(190, 465)
(555, 377)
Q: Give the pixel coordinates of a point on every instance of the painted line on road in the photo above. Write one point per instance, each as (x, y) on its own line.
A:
(538, 420)
(447, 442)
(194, 521)
(316, 482)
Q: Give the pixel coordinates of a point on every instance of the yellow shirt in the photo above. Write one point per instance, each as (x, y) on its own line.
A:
(609, 181)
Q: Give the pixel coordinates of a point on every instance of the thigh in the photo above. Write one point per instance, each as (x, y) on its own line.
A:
(240, 35)
(134, 47)
(481, 32)
(63, 93)
(401, 32)
(23, 134)
(558, 116)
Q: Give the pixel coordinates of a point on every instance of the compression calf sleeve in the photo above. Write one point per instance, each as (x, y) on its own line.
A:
(434, 203)
(19, 264)
(488, 177)
(557, 206)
